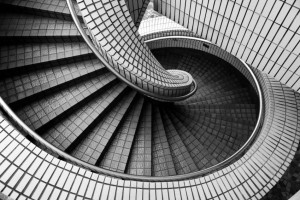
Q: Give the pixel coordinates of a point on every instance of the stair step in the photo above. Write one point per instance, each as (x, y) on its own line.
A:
(95, 142)
(20, 28)
(199, 153)
(55, 9)
(24, 85)
(36, 56)
(117, 154)
(243, 112)
(222, 128)
(182, 159)
(196, 114)
(162, 162)
(242, 98)
(63, 133)
(41, 111)
(210, 90)
(214, 95)
(140, 159)
(233, 133)
(220, 149)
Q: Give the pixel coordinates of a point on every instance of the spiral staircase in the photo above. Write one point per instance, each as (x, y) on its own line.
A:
(188, 121)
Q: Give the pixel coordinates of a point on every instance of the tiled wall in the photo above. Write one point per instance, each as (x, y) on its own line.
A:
(137, 9)
(265, 34)
(202, 46)
(158, 24)
(117, 39)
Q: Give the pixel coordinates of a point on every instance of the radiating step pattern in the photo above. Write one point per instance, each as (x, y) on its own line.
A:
(181, 157)
(33, 82)
(116, 156)
(55, 9)
(43, 110)
(73, 126)
(162, 162)
(140, 159)
(198, 151)
(57, 86)
(92, 146)
(16, 27)
(23, 56)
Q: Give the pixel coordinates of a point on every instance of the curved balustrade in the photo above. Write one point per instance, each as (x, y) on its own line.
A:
(189, 42)
(123, 51)
(250, 177)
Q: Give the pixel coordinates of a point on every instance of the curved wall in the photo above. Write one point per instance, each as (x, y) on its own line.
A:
(265, 34)
(29, 172)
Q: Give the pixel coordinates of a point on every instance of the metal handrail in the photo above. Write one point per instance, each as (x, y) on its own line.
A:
(102, 59)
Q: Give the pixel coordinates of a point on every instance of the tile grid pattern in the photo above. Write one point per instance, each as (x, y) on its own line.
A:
(117, 39)
(137, 9)
(41, 111)
(213, 139)
(158, 24)
(36, 27)
(24, 55)
(93, 147)
(199, 153)
(181, 157)
(162, 162)
(69, 128)
(266, 34)
(212, 75)
(140, 159)
(232, 134)
(117, 154)
(199, 45)
(27, 84)
(55, 9)
(28, 174)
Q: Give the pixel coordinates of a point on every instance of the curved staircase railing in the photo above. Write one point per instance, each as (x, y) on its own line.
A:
(148, 77)
(55, 151)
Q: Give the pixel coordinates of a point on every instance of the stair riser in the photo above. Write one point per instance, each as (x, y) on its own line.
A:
(69, 111)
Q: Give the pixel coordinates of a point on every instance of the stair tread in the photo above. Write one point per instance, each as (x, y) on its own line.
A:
(40, 111)
(162, 163)
(28, 25)
(220, 149)
(234, 118)
(64, 133)
(55, 8)
(33, 82)
(182, 159)
(21, 55)
(140, 160)
(233, 95)
(229, 99)
(217, 90)
(117, 154)
(199, 153)
(220, 126)
(91, 147)
(243, 112)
